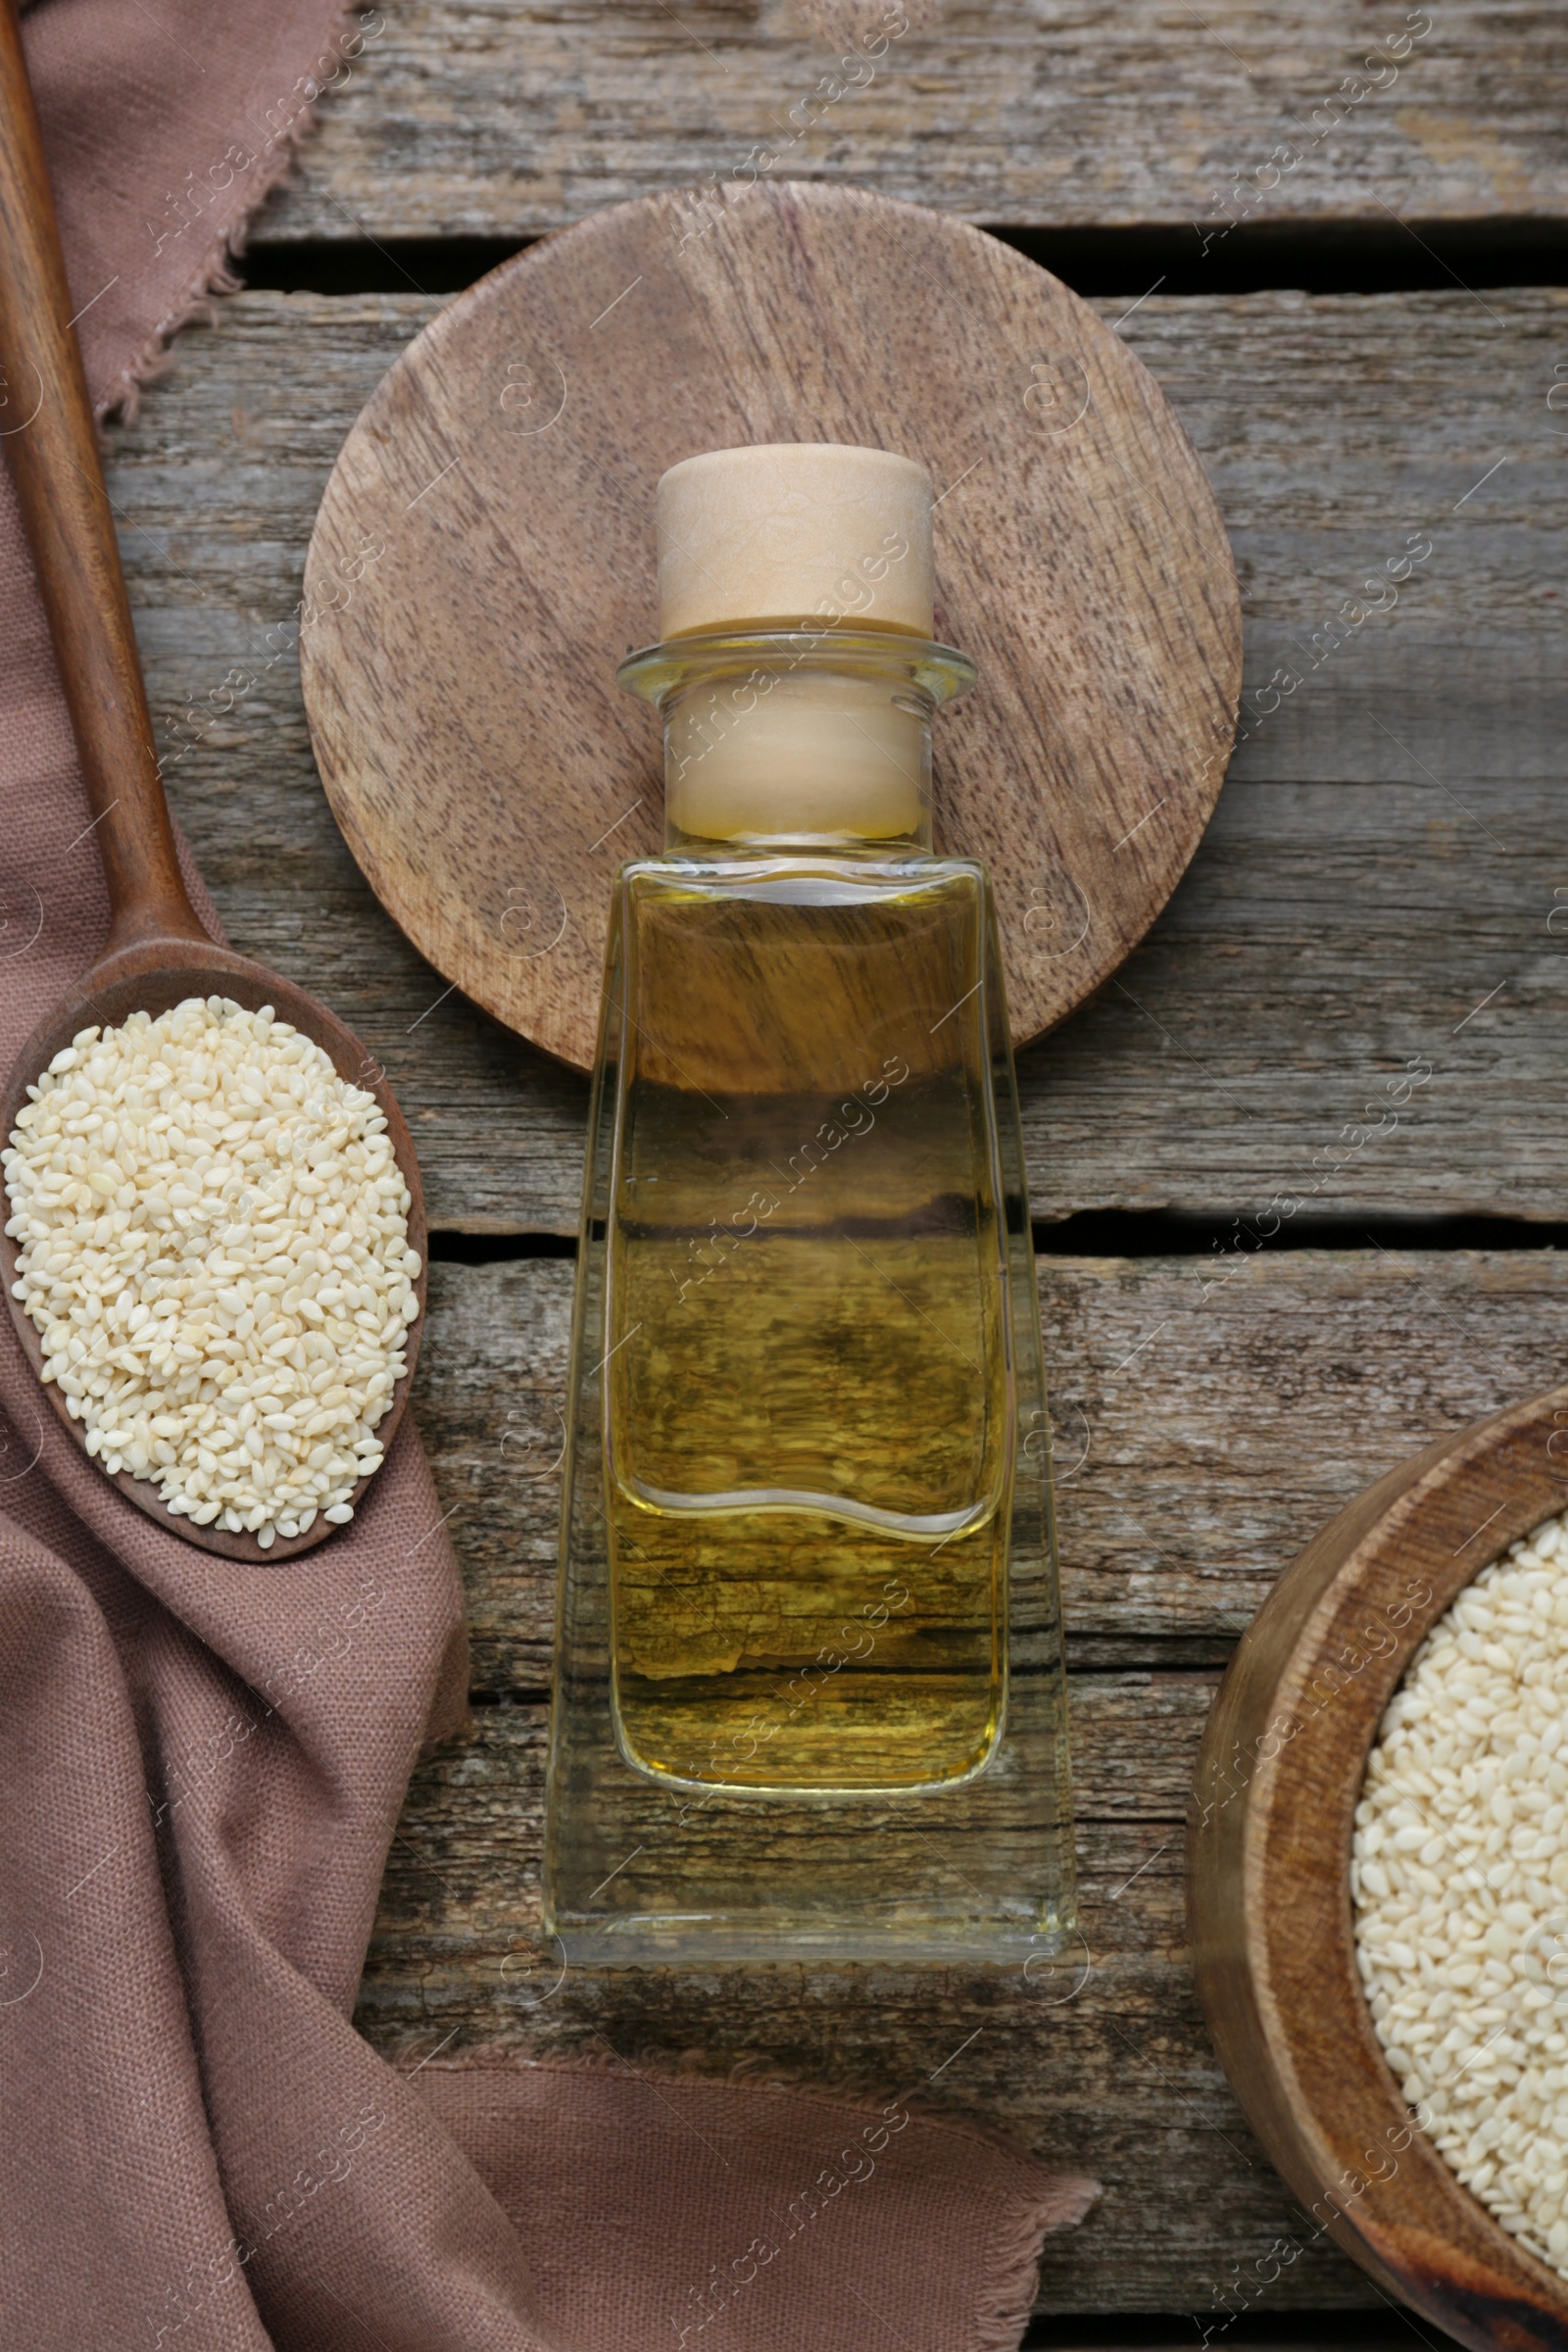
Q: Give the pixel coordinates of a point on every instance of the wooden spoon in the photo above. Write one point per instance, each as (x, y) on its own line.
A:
(157, 952)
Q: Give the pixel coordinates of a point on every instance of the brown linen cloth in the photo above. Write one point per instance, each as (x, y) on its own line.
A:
(201, 1765)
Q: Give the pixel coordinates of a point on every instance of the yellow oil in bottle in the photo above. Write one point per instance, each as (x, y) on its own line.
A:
(808, 1693)
(808, 1387)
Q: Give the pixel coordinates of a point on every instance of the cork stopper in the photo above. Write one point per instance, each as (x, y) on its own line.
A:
(790, 531)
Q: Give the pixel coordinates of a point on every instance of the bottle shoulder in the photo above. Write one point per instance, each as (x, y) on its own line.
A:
(803, 878)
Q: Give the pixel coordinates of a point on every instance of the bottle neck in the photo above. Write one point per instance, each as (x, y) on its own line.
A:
(815, 738)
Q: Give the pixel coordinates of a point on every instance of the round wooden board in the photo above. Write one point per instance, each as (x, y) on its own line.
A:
(1279, 1778)
(485, 556)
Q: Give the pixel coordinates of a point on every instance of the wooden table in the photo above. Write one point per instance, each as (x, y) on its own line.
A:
(1383, 891)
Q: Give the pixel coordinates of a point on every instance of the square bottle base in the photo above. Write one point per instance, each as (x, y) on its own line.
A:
(763, 1881)
(641, 1869)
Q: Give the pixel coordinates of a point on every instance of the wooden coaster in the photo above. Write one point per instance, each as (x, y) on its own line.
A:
(485, 556)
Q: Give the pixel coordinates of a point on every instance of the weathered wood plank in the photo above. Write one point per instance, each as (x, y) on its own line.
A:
(1209, 1417)
(481, 120)
(1384, 857)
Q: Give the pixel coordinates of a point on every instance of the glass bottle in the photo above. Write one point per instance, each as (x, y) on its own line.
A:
(808, 1684)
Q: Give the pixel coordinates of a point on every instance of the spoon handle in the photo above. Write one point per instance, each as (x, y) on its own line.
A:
(46, 423)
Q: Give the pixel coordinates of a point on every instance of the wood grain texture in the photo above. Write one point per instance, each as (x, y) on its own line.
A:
(488, 535)
(1200, 1440)
(467, 118)
(1383, 856)
(1279, 1778)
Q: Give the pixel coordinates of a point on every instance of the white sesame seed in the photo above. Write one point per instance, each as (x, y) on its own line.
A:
(199, 1201)
(1460, 1881)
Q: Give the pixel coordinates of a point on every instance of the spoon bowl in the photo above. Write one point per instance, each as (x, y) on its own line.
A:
(157, 952)
(152, 979)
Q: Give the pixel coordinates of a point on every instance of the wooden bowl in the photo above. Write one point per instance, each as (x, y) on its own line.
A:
(1278, 1781)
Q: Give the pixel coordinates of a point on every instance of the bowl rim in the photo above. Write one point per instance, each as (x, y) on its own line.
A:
(1279, 1775)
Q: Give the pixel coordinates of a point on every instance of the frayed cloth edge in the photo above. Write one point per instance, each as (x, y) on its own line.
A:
(1010, 2274)
(1025, 2216)
(213, 278)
